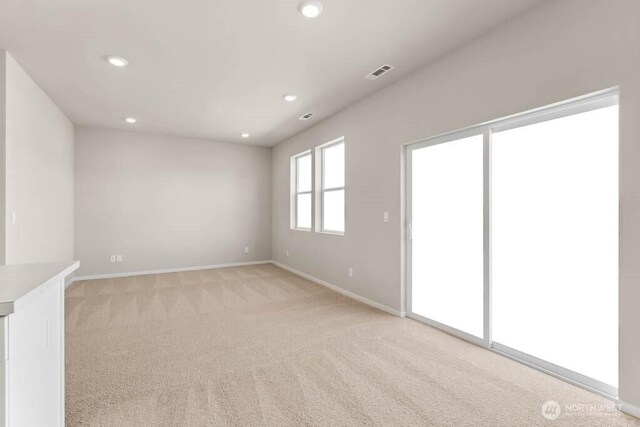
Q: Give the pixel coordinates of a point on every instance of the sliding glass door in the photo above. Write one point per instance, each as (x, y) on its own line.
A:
(555, 241)
(447, 230)
(513, 237)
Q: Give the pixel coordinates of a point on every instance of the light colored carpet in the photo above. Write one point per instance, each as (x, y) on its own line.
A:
(260, 346)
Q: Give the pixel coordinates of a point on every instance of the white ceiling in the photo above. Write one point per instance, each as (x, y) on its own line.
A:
(216, 68)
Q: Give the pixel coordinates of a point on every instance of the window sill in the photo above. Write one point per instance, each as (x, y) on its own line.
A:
(333, 233)
(301, 229)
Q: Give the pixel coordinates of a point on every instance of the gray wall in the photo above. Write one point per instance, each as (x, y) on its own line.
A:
(561, 49)
(39, 173)
(3, 120)
(164, 202)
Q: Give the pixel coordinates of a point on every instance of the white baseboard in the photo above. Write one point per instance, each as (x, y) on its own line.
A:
(629, 409)
(342, 291)
(169, 270)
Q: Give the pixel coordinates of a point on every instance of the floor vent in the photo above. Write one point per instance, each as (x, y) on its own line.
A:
(306, 116)
(380, 71)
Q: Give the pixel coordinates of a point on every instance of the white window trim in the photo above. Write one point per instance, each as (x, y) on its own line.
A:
(293, 214)
(320, 189)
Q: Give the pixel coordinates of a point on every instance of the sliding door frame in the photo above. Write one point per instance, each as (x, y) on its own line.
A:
(453, 136)
(601, 99)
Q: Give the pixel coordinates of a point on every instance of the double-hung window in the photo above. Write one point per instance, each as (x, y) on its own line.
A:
(319, 204)
(332, 188)
(301, 191)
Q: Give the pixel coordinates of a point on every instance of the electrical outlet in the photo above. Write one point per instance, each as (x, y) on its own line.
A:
(14, 217)
(246, 249)
(287, 252)
(385, 216)
(112, 258)
(118, 258)
(350, 272)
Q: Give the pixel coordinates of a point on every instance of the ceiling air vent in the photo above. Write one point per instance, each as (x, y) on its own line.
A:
(380, 71)
(306, 116)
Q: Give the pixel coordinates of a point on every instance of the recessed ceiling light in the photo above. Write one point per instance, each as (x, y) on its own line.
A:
(245, 135)
(289, 98)
(116, 61)
(310, 8)
(131, 120)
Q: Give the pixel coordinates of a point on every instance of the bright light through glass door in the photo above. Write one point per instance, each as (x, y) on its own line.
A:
(447, 234)
(555, 241)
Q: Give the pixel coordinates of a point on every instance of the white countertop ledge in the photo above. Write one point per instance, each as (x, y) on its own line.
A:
(16, 281)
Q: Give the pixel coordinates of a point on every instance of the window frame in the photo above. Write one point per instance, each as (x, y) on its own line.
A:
(321, 189)
(295, 191)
